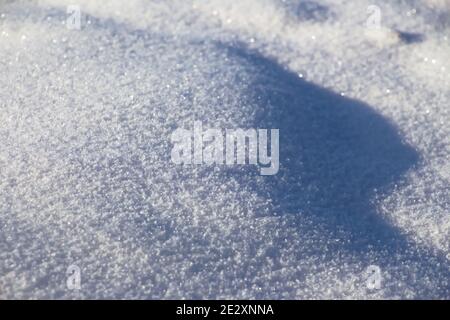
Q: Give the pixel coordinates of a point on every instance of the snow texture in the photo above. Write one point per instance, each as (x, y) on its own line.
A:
(85, 171)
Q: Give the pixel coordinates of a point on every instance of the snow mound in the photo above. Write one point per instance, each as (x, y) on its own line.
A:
(86, 177)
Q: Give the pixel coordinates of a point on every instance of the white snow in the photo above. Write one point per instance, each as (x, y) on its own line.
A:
(85, 171)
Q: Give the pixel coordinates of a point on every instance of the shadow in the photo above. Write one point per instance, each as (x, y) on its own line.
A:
(308, 11)
(409, 37)
(336, 156)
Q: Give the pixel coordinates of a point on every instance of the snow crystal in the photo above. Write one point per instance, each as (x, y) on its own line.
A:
(86, 178)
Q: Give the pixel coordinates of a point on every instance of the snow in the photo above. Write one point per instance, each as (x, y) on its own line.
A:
(85, 171)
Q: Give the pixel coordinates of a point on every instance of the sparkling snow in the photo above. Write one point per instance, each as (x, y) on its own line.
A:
(85, 171)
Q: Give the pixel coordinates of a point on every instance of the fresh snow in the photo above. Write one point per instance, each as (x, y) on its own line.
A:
(86, 177)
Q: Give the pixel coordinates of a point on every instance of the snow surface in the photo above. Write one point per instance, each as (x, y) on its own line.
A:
(85, 172)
